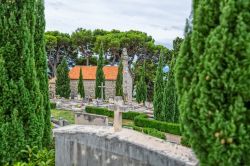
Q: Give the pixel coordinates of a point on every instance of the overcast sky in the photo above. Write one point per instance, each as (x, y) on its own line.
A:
(162, 19)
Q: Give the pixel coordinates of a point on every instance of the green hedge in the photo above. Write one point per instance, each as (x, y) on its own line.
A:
(52, 105)
(106, 112)
(150, 131)
(185, 142)
(143, 121)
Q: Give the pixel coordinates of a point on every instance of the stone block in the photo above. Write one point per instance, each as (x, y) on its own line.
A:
(101, 146)
(90, 119)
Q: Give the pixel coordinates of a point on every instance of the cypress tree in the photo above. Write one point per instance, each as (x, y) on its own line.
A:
(170, 107)
(41, 67)
(21, 107)
(100, 78)
(218, 109)
(119, 81)
(63, 81)
(158, 90)
(141, 87)
(81, 85)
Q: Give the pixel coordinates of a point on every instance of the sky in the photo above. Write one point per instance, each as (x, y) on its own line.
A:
(164, 20)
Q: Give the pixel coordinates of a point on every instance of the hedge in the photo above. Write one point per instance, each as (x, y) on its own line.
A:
(185, 142)
(52, 105)
(143, 121)
(106, 112)
(150, 131)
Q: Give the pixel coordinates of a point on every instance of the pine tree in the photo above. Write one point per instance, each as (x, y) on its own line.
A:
(21, 104)
(119, 81)
(216, 106)
(100, 78)
(141, 87)
(81, 85)
(63, 81)
(158, 90)
(41, 67)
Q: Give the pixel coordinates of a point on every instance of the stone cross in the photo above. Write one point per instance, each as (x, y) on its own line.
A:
(102, 90)
(118, 113)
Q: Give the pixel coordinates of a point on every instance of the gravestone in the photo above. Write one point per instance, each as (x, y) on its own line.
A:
(90, 119)
(118, 104)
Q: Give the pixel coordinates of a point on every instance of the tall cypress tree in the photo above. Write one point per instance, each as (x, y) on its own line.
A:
(141, 87)
(81, 85)
(119, 81)
(63, 81)
(21, 108)
(218, 109)
(100, 78)
(170, 106)
(158, 90)
(41, 67)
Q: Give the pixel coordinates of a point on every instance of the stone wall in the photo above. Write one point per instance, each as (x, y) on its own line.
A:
(101, 146)
(89, 87)
(90, 119)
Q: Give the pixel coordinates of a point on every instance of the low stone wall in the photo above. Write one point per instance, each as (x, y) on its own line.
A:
(101, 146)
(90, 119)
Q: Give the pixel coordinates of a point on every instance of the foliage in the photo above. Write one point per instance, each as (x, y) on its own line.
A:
(81, 85)
(119, 81)
(41, 67)
(158, 91)
(83, 41)
(104, 111)
(67, 115)
(143, 121)
(100, 78)
(35, 157)
(21, 102)
(170, 107)
(63, 81)
(58, 45)
(216, 102)
(150, 131)
(141, 87)
(52, 105)
(184, 142)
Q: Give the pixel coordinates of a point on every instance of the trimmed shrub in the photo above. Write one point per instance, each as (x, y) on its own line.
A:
(185, 142)
(52, 105)
(150, 131)
(106, 112)
(143, 121)
(130, 115)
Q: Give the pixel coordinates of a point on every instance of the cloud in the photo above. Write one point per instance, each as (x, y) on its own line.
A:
(164, 20)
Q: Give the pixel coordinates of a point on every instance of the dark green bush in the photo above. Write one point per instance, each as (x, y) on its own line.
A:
(143, 121)
(150, 131)
(52, 105)
(106, 112)
(185, 142)
(99, 111)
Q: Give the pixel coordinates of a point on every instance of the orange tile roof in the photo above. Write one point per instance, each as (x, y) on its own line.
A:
(89, 72)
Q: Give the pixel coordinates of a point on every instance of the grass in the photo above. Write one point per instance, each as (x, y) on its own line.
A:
(125, 122)
(67, 115)
(70, 117)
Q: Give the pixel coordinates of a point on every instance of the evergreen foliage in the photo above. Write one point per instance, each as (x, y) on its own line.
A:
(170, 106)
(100, 78)
(41, 68)
(214, 98)
(119, 81)
(21, 102)
(81, 85)
(158, 91)
(141, 87)
(63, 81)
